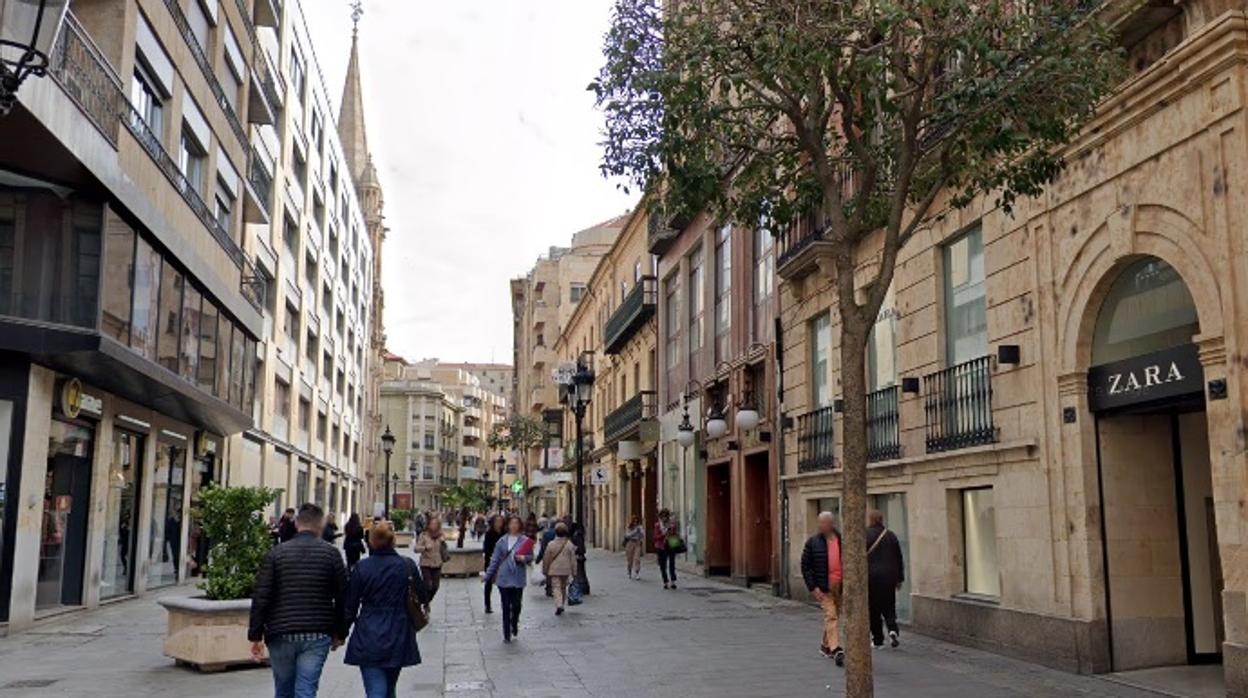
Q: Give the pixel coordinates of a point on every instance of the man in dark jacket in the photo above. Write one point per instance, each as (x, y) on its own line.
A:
(822, 572)
(286, 528)
(886, 572)
(299, 607)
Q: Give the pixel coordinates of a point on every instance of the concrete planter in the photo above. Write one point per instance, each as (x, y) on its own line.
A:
(403, 539)
(464, 562)
(208, 635)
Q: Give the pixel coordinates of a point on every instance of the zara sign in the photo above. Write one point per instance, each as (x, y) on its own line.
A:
(1146, 378)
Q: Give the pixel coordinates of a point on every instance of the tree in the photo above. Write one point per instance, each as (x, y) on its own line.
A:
(519, 433)
(867, 118)
(467, 498)
(233, 521)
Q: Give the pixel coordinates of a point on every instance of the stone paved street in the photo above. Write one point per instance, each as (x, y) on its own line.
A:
(628, 639)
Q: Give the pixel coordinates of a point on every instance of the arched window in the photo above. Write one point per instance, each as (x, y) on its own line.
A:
(1147, 309)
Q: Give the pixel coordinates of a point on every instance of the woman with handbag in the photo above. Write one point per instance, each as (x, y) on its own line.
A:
(383, 640)
(433, 551)
(667, 545)
(507, 569)
(559, 564)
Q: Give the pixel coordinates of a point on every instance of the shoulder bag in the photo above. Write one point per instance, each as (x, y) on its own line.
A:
(876, 544)
(415, 602)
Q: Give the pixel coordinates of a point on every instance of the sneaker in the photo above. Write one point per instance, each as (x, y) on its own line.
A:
(825, 652)
(666, 585)
(838, 656)
(673, 585)
(558, 611)
(877, 647)
(893, 639)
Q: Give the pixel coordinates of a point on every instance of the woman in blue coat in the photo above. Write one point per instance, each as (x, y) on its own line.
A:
(383, 641)
(507, 569)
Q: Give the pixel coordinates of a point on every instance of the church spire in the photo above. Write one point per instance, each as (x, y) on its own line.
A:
(351, 112)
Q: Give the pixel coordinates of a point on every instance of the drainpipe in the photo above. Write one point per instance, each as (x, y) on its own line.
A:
(783, 488)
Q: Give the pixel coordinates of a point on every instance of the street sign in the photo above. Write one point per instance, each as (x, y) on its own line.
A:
(563, 373)
(517, 486)
(598, 476)
(554, 458)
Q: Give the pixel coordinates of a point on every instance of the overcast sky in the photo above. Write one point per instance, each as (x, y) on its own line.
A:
(486, 143)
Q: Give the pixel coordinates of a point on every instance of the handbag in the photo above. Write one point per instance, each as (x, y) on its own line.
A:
(446, 552)
(675, 544)
(415, 602)
(574, 592)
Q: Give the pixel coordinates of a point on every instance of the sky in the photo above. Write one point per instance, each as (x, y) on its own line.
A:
(486, 143)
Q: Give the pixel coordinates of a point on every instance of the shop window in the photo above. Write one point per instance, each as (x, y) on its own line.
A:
(207, 369)
(819, 334)
(118, 278)
(966, 310)
(979, 543)
(122, 519)
(893, 506)
(165, 540)
(1148, 308)
(170, 317)
(66, 505)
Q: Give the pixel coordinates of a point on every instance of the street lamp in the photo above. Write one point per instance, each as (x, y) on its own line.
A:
(27, 28)
(579, 394)
(501, 462)
(387, 445)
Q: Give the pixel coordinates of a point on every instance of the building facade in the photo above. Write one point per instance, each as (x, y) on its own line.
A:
(427, 423)
(316, 256)
(131, 311)
(1057, 414)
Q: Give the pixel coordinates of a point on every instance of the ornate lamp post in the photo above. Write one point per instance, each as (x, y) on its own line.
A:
(27, 28)
(387, 445)
(579, 394)
(501, 462)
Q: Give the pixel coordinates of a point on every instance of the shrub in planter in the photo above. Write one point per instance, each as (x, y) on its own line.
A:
(400, 518)
(210, 632)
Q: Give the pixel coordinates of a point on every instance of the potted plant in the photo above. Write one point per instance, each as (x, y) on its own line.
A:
(401, 518)
(209, 631)
(467, 498)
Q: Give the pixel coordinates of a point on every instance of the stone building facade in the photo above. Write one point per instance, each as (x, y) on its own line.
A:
(1057, 421)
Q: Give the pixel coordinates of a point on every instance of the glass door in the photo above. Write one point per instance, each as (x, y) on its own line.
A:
(893, 506)
(63, 534)
(165, 541)
(121, 521)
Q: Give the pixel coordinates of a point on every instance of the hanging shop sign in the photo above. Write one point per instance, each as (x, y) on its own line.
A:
(74, 401)
(1169, 373)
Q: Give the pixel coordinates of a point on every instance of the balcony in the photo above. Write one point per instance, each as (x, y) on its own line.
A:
(800, 248)
(662, 231)
(259, 190)
(268, 13)
(957, 402)
(816, 444)
(537, 398)
(260, 108)
(627, 419)
(637, 309)
(81, 70)
(205, 67)
(883, 425)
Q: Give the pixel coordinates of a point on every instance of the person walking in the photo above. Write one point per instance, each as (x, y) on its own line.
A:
(822, 572)
(432, 548)
(353, 541)
(885, 573)
(507, 569)
(298, 608)
(492, 534)
(547, 537)
(479, 527)
(667, 546)
(383, 640)
(330, 532)
(634, 547)
(559, 565)
(286, 528)
(418, 523)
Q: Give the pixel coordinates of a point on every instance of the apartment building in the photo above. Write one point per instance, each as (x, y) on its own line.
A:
(132, 311)
(427, 423)
(483, 410)
(316, 257)
(542, 301)
(1057, 415)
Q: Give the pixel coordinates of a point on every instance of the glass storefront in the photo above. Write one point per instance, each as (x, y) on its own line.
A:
(979, 540)
(165, 542)
(893, 506)
(121, 521)
(196, 544)
(66, 504)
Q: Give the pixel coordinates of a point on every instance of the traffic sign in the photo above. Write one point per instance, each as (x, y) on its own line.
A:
(517, 486)
(563, 373)
(599, 475)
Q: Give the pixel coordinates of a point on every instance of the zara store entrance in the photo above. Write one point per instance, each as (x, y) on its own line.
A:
(1146, 388)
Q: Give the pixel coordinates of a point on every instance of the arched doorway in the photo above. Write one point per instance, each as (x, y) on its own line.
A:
(1146, 387)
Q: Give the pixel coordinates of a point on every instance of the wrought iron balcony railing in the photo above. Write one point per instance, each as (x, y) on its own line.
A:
(662, 230)
(883, 425)
(816, 444)
(80, 68)
(637, 309)
(957, 402)
(260, 178)
(626, 418)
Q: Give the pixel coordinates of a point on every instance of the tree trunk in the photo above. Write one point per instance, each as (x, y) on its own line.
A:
(858, 672)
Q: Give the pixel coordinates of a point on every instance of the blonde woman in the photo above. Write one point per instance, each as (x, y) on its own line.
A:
(431, 546)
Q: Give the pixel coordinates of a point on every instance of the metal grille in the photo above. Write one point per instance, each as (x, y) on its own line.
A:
(958, 405)
(883, 425)
(816, 445)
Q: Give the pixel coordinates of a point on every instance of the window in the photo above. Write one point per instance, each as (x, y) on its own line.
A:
(208, 346)
(979, 542)
(819, 334)
(305, 416)
(318, 135)
(723, 293)
(201, 24)
(146, 99)
(882, 346)
(118, 275)
(697, 306)
(966, 314)
(671, 323)
(224, 212)
(764, 285)
(322, 426)
(576, 293)
(192, 302)
(170, 317)
(192, 159)
(429, 445)
(281, 408)
(298, 78)
(300, 167)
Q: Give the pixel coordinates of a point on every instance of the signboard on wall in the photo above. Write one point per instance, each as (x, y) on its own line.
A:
(1160, 375)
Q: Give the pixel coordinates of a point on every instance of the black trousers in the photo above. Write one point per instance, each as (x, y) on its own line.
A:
(489, 593)
(667, 565)
(882, 605)
(433, 580)
(512, 599)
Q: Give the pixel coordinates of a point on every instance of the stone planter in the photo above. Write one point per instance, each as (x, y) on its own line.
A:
(464, 562)
(208, 635)
(403, 539)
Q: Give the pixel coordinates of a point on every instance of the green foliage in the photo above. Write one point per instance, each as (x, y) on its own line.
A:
(470, 497)
(519, 433)
(400, 518)
(233, 520)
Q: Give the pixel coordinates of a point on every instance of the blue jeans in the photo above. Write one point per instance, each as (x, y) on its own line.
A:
(297, 661)
(380, 682)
